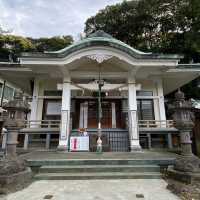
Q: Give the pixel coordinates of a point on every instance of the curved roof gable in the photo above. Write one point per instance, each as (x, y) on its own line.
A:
(100, 38)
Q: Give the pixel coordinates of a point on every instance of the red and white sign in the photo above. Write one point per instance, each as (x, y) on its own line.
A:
(79, 143)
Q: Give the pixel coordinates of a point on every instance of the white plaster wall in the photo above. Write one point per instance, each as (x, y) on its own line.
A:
(48, 84)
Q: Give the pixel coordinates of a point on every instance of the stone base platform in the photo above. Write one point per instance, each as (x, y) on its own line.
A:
(56, 155)
(15, 182)
(85, 166)
(185, 177)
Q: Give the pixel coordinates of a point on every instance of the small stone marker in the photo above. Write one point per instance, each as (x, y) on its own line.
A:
(139, 196)
(48, 197)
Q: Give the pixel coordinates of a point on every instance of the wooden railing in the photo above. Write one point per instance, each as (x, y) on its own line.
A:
(42, 123)
(48, 127)
(141, 124)
(156, 124)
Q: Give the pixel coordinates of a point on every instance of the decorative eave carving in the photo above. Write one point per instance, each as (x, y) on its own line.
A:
(100, 58)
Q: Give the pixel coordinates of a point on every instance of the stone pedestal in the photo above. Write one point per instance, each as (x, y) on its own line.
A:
(187, 165)
(187, 161)
(14, 174)
(11, 144)
(185, 177)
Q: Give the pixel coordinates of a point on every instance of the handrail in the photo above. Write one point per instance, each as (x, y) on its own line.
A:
(42, 123)
(156, 123)
(141, 123)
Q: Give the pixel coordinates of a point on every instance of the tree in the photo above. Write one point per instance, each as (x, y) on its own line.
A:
(168, 26)
(163, 26)
(52, 44)
(13, 46)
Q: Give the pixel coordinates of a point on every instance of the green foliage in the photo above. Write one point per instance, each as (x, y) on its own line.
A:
(168, 26)
(162, 26)
(192, 90)
(52, 44)
(14, 45)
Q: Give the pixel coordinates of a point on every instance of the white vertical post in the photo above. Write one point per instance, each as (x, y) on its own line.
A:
(4, 133)
(83, 120)
(65, 115)
(34, 103)
(133, 122)
(169, 140)
(26, 141)
(149, 140)
(48, 141)
(85, 115)
(113, 115)
(34, 110)
(81, 115)
(161, 102)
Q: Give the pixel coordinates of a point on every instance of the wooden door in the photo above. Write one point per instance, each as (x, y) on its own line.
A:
(106, 121)
(92, 114)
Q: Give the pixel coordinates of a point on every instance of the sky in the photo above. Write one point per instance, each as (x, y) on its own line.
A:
(46, 18)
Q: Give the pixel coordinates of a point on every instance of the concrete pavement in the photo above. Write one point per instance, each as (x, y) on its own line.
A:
(142, 189)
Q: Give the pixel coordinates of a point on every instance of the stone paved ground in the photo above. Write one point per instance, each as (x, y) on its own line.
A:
(95, 190)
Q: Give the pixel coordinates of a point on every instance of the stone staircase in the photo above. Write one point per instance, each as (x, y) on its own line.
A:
(82, 169)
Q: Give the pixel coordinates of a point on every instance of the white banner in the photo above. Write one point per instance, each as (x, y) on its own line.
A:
(79, 143)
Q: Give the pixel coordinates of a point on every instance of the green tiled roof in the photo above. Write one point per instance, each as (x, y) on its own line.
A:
(102, 39)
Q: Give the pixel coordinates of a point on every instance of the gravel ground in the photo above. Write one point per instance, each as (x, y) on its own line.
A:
(184, 191)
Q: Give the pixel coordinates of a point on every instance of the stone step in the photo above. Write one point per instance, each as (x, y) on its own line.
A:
(98, 168)
(99, 175)
(38, 163)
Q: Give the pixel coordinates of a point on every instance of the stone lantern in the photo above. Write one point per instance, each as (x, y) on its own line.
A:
(183, 118)
(14, 174)
(17, 110)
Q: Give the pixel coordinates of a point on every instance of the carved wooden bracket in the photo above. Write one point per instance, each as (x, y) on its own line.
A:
(100, 58)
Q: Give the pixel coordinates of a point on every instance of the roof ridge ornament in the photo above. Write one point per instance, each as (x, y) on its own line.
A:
(100, 33)
(100, 58)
